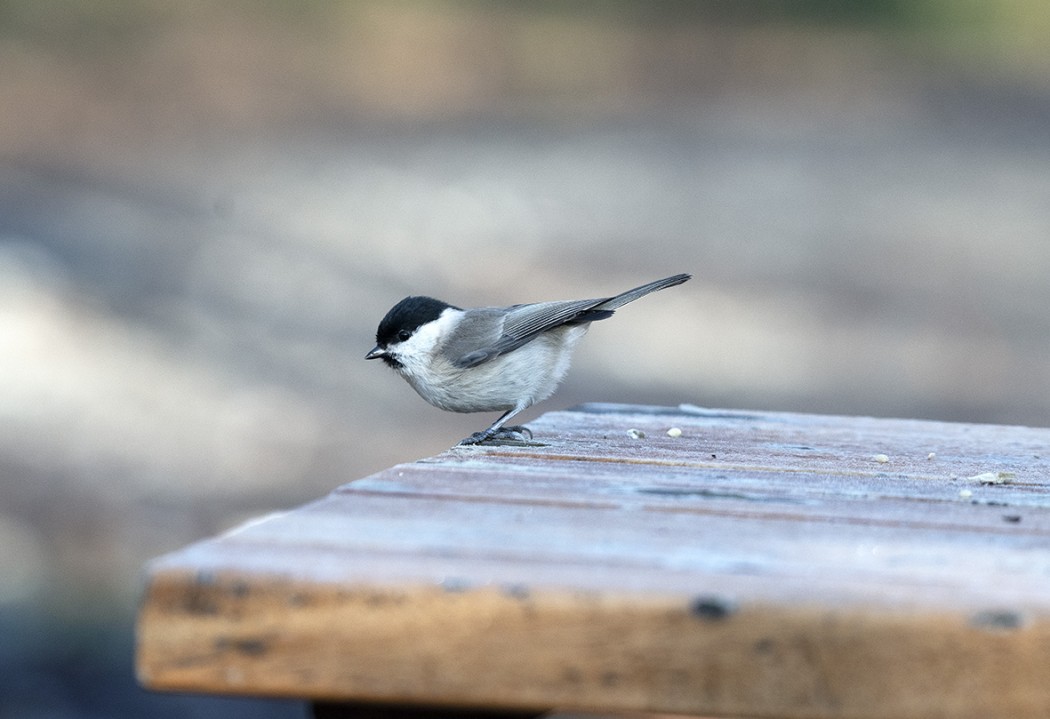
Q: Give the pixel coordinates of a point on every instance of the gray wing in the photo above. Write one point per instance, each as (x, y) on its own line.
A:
(525, 322)
(472, 340)
(498, 330)
(492, 331)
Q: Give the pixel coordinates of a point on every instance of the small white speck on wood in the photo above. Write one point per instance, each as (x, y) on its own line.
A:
(992, 478)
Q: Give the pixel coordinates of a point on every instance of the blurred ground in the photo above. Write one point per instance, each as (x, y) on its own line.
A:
(205, 209)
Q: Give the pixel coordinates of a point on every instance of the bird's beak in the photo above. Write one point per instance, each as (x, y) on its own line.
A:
(376, 352)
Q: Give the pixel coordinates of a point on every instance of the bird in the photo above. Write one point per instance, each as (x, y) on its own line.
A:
(491, 359)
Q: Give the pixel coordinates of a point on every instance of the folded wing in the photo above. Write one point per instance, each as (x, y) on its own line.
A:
(523, 323)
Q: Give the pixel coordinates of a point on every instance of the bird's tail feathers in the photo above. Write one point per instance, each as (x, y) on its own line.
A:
(638, 292)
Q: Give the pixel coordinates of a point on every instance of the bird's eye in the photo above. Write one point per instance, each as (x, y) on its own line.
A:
(404, 335)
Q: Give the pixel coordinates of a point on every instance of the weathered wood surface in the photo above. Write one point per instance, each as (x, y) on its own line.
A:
(761, 564)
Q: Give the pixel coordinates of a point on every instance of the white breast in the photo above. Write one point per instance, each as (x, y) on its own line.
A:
(518, 379)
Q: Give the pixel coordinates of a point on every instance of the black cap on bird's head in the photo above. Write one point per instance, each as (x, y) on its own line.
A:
(401, 322)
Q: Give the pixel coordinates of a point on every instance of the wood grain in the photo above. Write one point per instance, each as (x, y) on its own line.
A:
(761, 564)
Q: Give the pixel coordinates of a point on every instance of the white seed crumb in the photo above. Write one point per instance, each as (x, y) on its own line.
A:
(992, 477)
(636, 434)
(881, 458)
(965, 494)
(931, 456)
(674, 432)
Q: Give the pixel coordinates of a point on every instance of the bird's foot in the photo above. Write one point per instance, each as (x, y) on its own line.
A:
(516, 435)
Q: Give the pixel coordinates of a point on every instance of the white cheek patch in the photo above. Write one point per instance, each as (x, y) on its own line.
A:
(415, 352)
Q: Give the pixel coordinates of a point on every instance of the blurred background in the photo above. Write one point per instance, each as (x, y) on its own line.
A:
(205, 209)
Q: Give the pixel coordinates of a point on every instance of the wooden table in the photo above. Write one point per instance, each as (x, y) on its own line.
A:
(758, 565)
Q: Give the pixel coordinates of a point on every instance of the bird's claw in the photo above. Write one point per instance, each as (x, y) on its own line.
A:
(517, 433)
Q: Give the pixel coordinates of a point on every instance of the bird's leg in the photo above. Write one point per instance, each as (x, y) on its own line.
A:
(497, 431)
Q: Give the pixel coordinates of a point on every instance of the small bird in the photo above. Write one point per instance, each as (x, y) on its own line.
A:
(491, 359)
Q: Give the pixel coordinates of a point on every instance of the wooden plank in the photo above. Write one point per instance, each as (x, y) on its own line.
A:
(760, 564)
